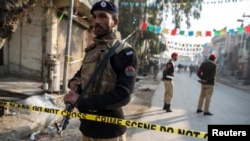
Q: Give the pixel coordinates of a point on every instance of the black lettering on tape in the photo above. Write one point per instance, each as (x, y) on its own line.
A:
(163, 128)
(153, 127)
(36, 108)
(196, 134)
(64, 113)
(82, 115)
(134, 124)
(170, 130)
(73, 115)
(140, 125)
(127, 123)
(109, 120)
(53, 111)
(119, 121)
(205, 136)
(189, 133)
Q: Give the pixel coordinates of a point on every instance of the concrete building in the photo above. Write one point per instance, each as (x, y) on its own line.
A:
(37, 48)
(233, 53)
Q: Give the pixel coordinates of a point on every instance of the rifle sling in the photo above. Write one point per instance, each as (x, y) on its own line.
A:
(98, 69)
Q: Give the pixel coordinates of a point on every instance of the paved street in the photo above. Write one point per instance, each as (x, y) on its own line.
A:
(229, 106)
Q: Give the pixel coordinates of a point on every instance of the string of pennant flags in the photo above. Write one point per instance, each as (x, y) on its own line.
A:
(156, 5)
(184, 48)
(158, 29)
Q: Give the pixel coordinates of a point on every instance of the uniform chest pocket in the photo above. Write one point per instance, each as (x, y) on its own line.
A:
(91, 56)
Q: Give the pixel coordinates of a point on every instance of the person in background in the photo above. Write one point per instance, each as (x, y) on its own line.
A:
(191, 69)
(167, 78)
(156, 70)
(112, 88)
(207, 74)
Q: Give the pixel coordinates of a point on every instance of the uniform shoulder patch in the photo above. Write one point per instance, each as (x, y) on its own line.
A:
(129, 53)
(129, 71)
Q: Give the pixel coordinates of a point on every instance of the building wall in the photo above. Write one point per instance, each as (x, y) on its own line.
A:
(23, 55)
(27, 53)
(232, 55)
(79, 41)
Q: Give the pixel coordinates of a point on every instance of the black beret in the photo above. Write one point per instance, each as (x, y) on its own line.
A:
(105, 6)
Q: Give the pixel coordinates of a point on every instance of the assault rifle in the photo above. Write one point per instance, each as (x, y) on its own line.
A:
(65, 121)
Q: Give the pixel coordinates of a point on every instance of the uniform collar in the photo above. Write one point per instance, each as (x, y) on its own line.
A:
(108, 39)
(109, 36)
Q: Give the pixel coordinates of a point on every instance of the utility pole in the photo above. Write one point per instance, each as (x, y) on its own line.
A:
(67, 48)
(242, 36)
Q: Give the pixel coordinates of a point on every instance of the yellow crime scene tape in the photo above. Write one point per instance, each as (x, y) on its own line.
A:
(110, 120)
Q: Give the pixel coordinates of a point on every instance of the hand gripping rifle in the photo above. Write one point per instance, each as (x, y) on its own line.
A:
(69, 107)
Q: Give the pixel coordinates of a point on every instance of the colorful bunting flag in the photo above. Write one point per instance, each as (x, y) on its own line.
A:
(182, 32)
(190, 33)
(217, 33)
(231, 31)
(208, 33)
(151, 28)
(223, 31)
(198, 34)
(247, 29)
(144, 26)
(240, 30)
(158, 30)
(173, 32)
(165, 31)
(157, 5)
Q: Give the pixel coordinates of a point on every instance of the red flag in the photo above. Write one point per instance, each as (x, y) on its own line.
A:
(144, 26)
(247, 29)
(208, 33)
(173, 32)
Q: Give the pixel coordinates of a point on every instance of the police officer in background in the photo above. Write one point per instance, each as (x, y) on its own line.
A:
(207, 74)
(167, 78)
(114, 84)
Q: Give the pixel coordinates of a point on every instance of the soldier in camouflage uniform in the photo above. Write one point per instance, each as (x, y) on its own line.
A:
(113, 86)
